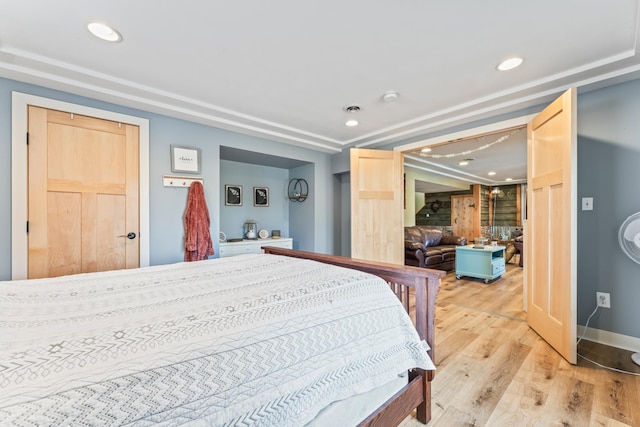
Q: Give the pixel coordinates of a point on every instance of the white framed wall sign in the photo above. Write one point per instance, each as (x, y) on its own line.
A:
(184, 159)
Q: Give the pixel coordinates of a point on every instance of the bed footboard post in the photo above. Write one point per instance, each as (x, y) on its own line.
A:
(433, 286)
(427, 290)
(423, 411)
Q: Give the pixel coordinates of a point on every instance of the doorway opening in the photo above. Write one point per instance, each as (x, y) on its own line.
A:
(441, 173)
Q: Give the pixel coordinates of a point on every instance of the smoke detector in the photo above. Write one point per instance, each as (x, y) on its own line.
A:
(390, 96)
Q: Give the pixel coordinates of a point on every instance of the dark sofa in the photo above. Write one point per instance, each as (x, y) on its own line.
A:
(429, 247)
(518, 243)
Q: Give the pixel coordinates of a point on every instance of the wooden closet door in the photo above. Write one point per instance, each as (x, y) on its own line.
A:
(83, 194)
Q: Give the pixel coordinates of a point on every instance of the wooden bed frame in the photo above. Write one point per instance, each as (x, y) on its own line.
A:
(402, 279)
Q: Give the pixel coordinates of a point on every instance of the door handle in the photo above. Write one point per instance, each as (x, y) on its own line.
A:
(130, 236)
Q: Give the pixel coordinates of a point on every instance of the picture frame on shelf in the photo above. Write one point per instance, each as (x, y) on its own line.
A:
(260, 196)
(233, 195)
(185, 159)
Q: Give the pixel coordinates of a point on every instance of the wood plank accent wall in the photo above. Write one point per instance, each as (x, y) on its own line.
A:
(443, 215)
(508, 206)
(484, 203)
(507, 203)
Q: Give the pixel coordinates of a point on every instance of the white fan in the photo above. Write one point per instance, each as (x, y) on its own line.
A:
(629, 239)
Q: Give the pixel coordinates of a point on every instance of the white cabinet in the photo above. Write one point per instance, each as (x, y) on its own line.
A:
(252, 246)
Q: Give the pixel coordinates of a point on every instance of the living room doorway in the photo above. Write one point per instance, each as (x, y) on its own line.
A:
(549, 288)
(494, 130)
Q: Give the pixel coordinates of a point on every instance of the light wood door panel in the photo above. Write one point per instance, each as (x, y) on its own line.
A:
(64, 232)
(110, 220)
(551, 232)
(83, 194)
(377, 215)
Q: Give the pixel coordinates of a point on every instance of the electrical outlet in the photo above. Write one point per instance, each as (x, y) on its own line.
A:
(603, 299)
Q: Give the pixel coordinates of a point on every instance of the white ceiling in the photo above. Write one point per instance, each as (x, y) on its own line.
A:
(502, 153)
(284, 69)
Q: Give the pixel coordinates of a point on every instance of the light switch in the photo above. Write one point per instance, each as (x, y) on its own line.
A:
(587, 203)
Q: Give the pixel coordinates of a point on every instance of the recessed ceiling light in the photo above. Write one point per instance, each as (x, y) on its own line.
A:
(104, 32)
(491, 173)
(426, 150)
(463, 162)
(351, 123)
(510, 64)
(509, 179)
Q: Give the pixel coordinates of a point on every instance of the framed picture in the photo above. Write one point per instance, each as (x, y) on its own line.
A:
(233, 195)
(185, 159)
(260, 196)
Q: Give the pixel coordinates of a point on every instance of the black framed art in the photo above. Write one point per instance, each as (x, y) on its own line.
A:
(260, 196)
(233, 195)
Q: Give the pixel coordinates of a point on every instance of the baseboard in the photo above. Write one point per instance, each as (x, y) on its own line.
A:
(610, 338)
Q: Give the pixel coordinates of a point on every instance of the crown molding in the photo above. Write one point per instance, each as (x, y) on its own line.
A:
(36, 69)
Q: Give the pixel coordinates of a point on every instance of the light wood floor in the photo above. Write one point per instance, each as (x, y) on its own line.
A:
(495, 371)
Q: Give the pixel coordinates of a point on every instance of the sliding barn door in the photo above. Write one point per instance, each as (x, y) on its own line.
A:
(377, 210)
(550, 252)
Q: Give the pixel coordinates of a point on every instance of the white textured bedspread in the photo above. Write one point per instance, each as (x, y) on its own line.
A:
(256, 340)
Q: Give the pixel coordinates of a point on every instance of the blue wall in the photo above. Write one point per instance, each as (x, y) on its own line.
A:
(344, 221)
(272, 217)
(167, 204)
(608, 171)
(602, 266)
(303, 214)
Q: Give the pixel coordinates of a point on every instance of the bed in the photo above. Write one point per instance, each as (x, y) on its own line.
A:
(286, 338)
